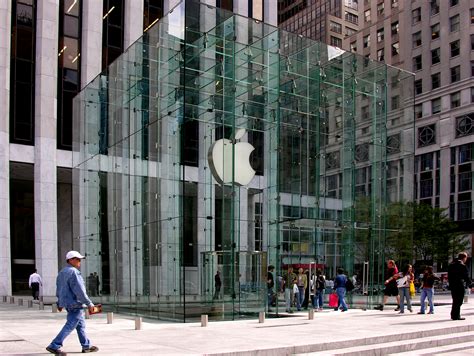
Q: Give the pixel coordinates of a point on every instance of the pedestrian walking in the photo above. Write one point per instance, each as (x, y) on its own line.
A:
(217, 285)
(404, 279)
(97, 283)
(71, 293)
(302, 284)
(427, 290)
(458, 279)
(289, 278)
(391, 289)
(319, 287)
(340, 287)
(270, 285)
(35, 283)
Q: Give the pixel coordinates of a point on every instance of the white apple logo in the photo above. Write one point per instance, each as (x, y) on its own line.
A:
(220, 160)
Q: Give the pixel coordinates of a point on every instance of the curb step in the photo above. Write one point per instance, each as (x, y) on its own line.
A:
(404, 345)
(439, 350)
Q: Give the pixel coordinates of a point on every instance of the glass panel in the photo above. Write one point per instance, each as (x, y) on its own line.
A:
(167, 162)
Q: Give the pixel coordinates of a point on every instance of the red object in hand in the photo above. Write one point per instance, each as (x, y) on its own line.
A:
(333, 300)
(96, 309)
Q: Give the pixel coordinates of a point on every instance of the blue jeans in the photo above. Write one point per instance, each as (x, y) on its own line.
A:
(318, 299)
(404, 292)
(270, 297)
(300, 299)
(75, 320)
(427, 292)
(341, 292)
(288, 298)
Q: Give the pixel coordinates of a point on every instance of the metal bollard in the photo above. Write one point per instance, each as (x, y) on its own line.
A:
(41, 306)
(138, 323)
(12, 300)
(310, 314)
(88, 316)
(20, 301)
(204, 320)
(110, 318)
(54, 308)
(30, 304)
(261, 317)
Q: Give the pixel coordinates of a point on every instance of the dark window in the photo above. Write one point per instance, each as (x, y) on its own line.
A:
(417, 39)
(455, 100)
(435, 80)
(453, 2)
(395, 49)
(112, 31)
(417, 63)
(152, 12)
(454, 48)
(454, 23)
(22, 72)
(426, 135)
(472, 16)
(416, 15)
(435, 56)
(418, 111)
(465, 125)
(472, 42)
(434, 7)
(395, 28)
(436, 105)
(435, 31)
(418, 86)
(225, 4)
(69, 64)
(455, 74)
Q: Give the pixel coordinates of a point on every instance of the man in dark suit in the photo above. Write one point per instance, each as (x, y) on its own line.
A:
(458, 279)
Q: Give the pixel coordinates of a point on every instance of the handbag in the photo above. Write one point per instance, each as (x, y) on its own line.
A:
(333, 300)
(295, 289)
(412, 289)
(401, 282)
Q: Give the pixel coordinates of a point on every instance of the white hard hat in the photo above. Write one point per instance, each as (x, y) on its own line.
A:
(74, 254)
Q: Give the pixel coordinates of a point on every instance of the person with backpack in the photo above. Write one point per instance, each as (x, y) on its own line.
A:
(319, 285)
(340, 287)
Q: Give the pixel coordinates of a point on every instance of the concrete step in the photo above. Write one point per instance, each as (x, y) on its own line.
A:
(409, 343)
(465, 348)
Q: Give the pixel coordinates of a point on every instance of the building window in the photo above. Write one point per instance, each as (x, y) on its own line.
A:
(350, 31)
(395, 49)
(435, 31)
(454, 48)
(435, 56)
(472, 16)
(472, 42)
(465, 125)
(152, 12)
(380, 35)
(472, 95)
(436, 105)
(353, 47)
(225, 4)
(434, 7)
(366, 41)
(361, 153)
(380, 9)
(472, 68)
(417, 63)
(435, 80)
(417, 39)
(380, 55)
(395, 102)
(418, 111)
(395, 28)
(335, 27)
(418, 86)
(455, 100)
(453, 2)
(69, 64)
(337, 42)
(22, 72)
(426, 135)
(454, 23)
(351, 18)
(112, 31)
(367, 15)
(416, 16)
(393, 143)
(455, 74)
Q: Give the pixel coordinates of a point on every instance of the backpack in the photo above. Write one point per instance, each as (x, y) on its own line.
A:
(349, 285)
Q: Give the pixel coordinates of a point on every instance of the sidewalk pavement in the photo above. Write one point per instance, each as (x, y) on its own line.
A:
(28, 331)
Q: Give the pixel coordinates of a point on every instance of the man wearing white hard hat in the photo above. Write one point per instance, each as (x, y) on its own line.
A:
(71, 293)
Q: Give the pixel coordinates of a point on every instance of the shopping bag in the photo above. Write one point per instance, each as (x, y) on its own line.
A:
(412, 289)
(333, 300)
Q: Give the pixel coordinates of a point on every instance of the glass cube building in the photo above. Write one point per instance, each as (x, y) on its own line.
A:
(218, 143)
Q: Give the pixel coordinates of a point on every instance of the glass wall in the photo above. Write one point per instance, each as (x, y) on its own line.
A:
(291, 166)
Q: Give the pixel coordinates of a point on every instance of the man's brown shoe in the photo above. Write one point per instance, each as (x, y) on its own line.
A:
(90, 349)
(56, 351)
